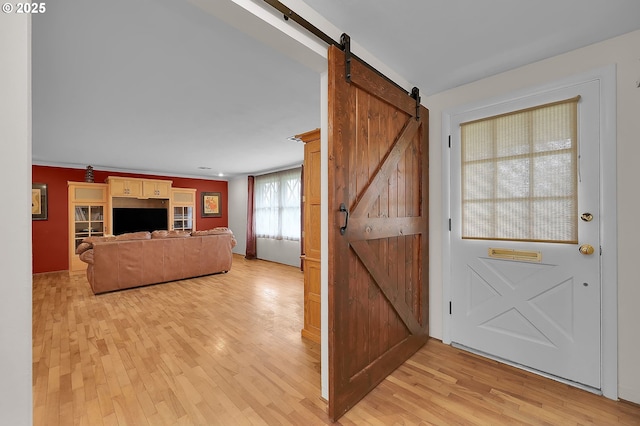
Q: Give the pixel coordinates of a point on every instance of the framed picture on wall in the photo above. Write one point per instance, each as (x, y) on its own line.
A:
(39, 201)
(211, 204)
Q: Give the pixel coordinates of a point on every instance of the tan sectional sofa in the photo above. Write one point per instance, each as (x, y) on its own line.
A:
(142, 258)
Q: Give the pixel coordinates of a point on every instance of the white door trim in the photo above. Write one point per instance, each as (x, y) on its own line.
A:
(608, 212)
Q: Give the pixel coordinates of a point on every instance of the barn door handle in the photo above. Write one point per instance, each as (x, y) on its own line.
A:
(343, 209)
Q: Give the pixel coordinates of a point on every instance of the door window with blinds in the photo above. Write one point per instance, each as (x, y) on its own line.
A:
(520, 175)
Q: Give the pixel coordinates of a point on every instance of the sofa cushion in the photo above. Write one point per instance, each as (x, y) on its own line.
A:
(99, 239)
(170, 234)
(214, 231)
(143, 235)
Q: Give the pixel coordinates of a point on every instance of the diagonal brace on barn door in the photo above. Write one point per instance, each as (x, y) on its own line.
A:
(388, 286)
(388, 165)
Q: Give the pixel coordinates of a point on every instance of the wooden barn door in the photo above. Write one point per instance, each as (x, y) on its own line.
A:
(378, 241)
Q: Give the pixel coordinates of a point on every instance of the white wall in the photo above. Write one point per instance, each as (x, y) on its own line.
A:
(281, 251)
(15, 222)
(622, 51)
(237, 193)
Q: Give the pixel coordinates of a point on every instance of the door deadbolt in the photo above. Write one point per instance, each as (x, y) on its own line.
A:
(587, 249)
(587, 217)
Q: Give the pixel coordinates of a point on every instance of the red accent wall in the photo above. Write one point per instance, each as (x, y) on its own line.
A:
(50, 237)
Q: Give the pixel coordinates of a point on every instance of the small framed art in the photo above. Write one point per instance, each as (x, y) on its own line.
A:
(211, 204)
(39, 201)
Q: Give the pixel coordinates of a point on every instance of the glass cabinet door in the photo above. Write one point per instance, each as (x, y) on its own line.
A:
(89, 221)
(183, 218)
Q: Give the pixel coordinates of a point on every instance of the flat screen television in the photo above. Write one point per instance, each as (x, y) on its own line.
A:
(139, 219)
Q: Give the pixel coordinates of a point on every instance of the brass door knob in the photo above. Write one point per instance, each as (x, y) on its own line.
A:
(586, 249)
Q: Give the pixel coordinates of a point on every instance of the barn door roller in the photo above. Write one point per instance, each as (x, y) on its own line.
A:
(415, 94)
(345, 41)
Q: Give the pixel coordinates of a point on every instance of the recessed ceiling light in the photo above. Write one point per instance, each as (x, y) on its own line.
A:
(220, 174)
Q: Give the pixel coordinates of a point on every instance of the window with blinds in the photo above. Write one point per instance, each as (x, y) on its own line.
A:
(520, 175)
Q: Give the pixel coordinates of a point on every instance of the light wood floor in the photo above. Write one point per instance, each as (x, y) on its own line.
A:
(226, 349)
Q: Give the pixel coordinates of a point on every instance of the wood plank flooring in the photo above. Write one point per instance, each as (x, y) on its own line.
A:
(226, 350)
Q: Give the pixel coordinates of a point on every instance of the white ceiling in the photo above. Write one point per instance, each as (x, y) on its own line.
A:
(160, 86)
(440, 44)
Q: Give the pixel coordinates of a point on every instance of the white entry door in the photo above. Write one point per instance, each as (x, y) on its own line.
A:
(531, 300)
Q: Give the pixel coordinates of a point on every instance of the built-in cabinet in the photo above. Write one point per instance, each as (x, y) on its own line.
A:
(88, 216)
(311, 234)
(156, 188)
(138, 188)
(91, 204)
(183, 202)
(122, 187)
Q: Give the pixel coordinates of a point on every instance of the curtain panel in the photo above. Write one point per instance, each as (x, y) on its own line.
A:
(251, 250)
(277, 205)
